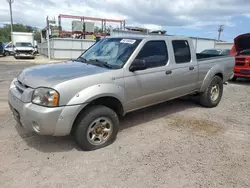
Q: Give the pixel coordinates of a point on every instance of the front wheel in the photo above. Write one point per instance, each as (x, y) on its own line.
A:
(96, 127)
(212, 95)
(6, 53)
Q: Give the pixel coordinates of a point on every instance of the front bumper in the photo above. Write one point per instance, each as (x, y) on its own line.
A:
(242, 75)
(55, 121)
(20, 54)
(242, 72)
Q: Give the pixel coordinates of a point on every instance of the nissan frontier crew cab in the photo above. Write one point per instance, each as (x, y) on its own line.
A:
(85, 97)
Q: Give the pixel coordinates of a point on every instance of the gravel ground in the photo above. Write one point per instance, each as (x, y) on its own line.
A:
(175, 144)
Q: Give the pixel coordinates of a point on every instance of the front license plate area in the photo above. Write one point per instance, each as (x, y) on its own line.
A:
(245, 72)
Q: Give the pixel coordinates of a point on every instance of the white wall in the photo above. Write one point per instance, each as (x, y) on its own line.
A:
(68, 48)
(224, 45)
(65, 48)
(199, 43)
(202, 44)
(43, 48)
(121, 33)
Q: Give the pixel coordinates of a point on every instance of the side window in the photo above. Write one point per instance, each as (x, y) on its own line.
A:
(225, 52)
(154, 53)
(181, 51)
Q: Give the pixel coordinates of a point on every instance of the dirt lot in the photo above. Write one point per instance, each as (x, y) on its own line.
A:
(175, 144)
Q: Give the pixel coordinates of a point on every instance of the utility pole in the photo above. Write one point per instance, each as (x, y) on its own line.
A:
(220, 30)
(48, 22)
(47, 35)
(11, 18)
(11, 22)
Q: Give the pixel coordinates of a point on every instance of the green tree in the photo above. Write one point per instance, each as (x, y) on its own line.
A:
(99, 30)
(5, 35)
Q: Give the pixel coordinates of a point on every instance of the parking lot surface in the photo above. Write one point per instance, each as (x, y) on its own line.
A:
(175, 144)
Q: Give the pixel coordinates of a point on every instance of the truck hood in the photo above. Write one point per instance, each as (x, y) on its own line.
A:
(242, 42)
(51, 74)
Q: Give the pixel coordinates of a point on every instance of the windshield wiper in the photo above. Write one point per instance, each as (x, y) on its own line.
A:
(101, 63)
(81, 59)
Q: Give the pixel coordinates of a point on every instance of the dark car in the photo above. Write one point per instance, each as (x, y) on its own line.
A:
(216, 51)
(2, 48)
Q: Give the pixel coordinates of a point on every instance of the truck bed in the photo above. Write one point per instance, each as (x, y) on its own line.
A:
(201, 57)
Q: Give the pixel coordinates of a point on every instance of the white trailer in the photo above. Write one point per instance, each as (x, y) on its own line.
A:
(22, 37)
(18, 37)
(23, 45)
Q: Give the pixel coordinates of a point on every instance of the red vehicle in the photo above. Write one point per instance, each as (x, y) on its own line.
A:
(241, 51)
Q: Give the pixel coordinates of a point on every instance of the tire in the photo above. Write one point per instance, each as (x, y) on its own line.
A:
(208, 98)
(234, 78)
(6, 53)
(92, 118)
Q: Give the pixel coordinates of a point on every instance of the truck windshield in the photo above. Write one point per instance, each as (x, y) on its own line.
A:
(23, 44)
(110, 52)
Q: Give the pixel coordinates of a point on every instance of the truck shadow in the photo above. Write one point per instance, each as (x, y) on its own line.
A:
(49, 144)
(155, 112)
(241, 81)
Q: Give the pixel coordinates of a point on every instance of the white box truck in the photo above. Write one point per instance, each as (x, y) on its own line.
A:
(23, 45)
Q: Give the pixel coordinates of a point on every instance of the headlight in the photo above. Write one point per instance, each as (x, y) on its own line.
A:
(45, 97)
(12, 85)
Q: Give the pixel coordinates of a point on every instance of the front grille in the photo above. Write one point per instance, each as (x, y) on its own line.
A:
(24, 51)
(20, 86)
(240, 59)
(239, 64)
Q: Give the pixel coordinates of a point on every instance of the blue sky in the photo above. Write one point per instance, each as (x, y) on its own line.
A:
(199, 18)
(241, 25)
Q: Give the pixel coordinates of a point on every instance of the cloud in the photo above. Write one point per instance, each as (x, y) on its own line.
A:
(151, 13)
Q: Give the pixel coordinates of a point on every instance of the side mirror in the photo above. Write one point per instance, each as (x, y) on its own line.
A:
(138, 64)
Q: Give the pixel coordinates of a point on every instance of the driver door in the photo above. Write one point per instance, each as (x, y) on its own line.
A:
(147, 87)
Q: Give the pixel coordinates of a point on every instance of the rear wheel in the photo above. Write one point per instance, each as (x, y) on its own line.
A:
(212, 95)
(96, 127)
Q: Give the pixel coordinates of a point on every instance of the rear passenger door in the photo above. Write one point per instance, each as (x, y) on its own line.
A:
(184, 69)
(146, 87)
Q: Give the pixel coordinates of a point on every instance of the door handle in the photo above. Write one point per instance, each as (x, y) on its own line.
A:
(191, 68)
(168, 72)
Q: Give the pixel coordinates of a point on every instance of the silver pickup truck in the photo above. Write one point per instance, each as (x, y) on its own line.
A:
(84, 97)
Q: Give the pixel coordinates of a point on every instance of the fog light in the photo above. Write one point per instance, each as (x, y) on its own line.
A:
(36, 127)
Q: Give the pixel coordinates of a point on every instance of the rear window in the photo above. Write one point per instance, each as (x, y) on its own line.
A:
(181, 51)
